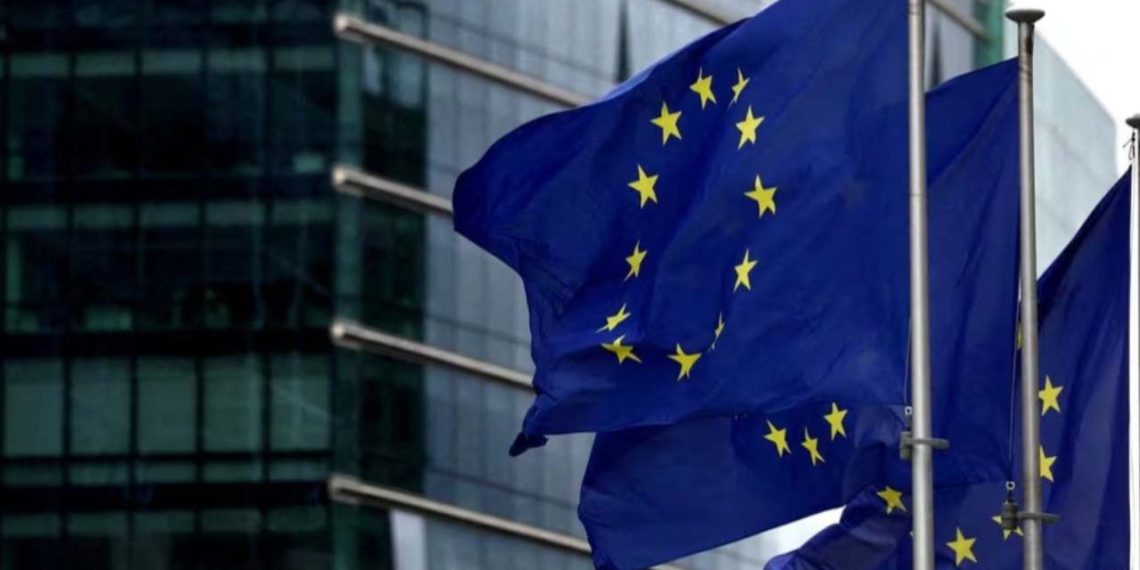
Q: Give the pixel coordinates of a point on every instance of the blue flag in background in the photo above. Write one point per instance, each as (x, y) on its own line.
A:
(721, 234)
(1083, 301)
(653, 494)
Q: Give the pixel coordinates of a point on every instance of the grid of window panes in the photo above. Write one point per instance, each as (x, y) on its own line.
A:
(172, 255)
(167, 237)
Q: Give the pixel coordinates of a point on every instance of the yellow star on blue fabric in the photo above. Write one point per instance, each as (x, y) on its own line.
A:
(718, 331)
(703, 87)
(1046, 463)
(1049, 396)
(645, 186)
(779, 438)
(623, 352)
(963, 548)
(893, 499)
(668, 123)
(835, 420)
(634, 260)
(612, 322)
(686, 361)
(765, 197)
(748, 127)
(812, 445)
(743, 272)
(741, 83)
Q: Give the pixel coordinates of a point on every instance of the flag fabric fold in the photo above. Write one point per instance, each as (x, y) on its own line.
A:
(656, 493)
(1083, 311)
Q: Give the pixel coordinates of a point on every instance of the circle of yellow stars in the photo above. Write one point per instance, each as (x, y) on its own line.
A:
(646, 185)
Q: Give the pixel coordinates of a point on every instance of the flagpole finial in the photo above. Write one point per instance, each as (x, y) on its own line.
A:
(1134, 121)
(1024, 14)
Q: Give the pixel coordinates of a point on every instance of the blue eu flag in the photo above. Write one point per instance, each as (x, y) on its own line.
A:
(1083, 301)
(652, 494)
(722, 234)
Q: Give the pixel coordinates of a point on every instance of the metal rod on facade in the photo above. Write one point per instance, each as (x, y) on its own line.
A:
(346, 489)
(356, 182)
(922, 475)
(369, 33)
(1030, 426)
(1134, 352)
(353, 336)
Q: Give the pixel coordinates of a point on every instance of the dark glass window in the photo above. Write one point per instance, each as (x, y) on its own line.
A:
(236, 111)
(36, 268)
(170, 266)
(173, 112)
(101, 276)
(37, 134)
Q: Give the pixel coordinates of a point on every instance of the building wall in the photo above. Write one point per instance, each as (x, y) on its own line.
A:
(173, 254)
(166, 226)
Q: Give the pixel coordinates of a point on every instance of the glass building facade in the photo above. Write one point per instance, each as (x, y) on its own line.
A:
(173, 254)
(1076, 146)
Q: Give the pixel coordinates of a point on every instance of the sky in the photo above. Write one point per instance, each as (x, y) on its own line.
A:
(1099, 39)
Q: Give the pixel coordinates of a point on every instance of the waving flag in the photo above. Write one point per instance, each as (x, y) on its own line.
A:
(1083, 300)
(653, 494)
(722, 234)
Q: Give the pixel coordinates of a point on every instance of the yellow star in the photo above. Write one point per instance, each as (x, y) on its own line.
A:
(621, 351)
(719, 329)
(812, 445)
(644, 186)
(748, 127)
(893, 499)
(779, 438)
(963, 548)
(613, 322)
(703, 87)
(742, 272)
(668, 123)
(741, 83)
(765, 197)
(1005, 533)
(835, 420)
(1046, 463)
(686, 361)
(1049, 396)
(634, 260)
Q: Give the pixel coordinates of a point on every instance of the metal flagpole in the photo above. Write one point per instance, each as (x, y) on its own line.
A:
(1029, 518)
(1134, 353)
(922, 472)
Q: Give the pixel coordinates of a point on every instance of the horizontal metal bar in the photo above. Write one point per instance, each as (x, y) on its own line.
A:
(350, 490)
(357, 30)
(353, 336)
(963, 19)
(705, 10)
(356, 182)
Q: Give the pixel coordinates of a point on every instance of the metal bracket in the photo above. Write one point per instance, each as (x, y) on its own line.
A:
(907, 441)
(1011, 516)
(1045, 518)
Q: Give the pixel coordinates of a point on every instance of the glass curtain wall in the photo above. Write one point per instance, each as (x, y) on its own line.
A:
(172, 254)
